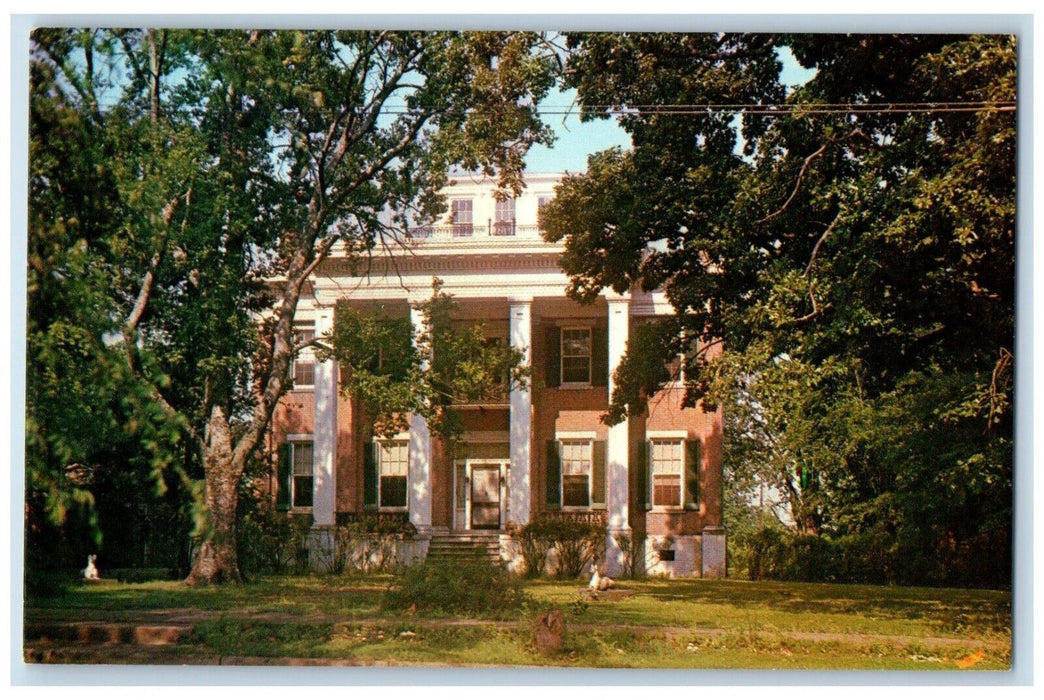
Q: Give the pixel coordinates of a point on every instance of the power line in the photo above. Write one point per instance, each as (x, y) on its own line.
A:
(757, 109)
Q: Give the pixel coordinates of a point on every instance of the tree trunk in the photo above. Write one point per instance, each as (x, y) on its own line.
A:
(217, 561)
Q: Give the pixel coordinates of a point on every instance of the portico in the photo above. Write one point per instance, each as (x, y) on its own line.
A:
(541, 452)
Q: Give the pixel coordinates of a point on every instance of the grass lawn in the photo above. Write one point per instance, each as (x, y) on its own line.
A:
(660, 624)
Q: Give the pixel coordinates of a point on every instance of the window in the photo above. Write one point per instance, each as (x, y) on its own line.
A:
(304, 362)
(393, 466)
(504, 221)
(461, 216)
(303, 480)
(576, 474)
(576, 355)
(667, 459)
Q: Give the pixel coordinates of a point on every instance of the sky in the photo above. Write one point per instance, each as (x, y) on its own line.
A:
(576, 140)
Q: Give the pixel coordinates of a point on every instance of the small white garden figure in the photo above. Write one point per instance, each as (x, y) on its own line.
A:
(599, 582)
(91, 572)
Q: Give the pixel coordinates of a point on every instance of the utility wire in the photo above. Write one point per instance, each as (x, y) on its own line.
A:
(797, 108)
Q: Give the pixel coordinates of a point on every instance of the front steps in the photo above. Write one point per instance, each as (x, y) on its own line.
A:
(464, 545)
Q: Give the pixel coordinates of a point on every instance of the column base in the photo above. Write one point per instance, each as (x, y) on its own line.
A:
(714, 552)
(617, 551)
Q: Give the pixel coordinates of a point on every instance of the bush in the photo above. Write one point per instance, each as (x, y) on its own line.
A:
(633, 549)
(575, 543)
(270, 542)
(534, 547)
(369, 545)
(470, 586)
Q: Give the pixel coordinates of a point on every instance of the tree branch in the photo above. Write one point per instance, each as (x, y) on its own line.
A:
(797, 184)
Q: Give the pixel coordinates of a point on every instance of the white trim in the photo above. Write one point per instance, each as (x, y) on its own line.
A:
(379, 453)
(576, 435)
(292, 442)
(666, 434)
(681, 474)
(588, 439)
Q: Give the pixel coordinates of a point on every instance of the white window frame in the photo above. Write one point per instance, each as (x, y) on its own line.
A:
(500, 209)
(562, 356)
(588, 443)
(455, 223)
(680, 442)
(305, 356)
(294, 442)
(381, 444)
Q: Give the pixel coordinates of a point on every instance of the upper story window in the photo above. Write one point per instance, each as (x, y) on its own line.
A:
(304, 362)
(461, 213)
(576, 355)
(504, 221)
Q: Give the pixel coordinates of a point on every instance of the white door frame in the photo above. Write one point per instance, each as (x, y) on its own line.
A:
(468, 464)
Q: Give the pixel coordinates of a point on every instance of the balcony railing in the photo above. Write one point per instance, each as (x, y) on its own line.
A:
(588, 517)
(491, 229)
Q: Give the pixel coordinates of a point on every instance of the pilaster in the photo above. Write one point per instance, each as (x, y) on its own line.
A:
(325, 428)
(617, 446)
(521, 417)
(419, 498)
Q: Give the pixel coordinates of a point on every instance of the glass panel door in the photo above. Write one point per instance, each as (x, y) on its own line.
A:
(485, 497)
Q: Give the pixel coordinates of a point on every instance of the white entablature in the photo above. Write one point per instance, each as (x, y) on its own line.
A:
(479, 249)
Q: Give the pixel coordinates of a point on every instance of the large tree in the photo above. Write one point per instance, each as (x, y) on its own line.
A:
(850, 245)
(239, 161)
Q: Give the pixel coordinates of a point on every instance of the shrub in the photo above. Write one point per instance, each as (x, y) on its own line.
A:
(575, 543)
(270, 542)
(534, 546)
(369, 545)
(633, 549)
(469, 585)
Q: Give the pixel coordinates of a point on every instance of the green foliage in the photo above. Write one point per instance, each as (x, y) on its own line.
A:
(175, 173)
(576, 545)
(368, 545)
(844, 280)
(394, 371)
(459, 586)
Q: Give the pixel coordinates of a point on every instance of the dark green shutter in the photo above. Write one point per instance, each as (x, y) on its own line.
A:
(644, 476)
(600, 356)
(553, 476)
(553, 356)
(598, 474)
(283, 476)
(370, 475)
(692, 474)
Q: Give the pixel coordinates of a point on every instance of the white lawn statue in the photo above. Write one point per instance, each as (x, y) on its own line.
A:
(599, 582)
(91, 572)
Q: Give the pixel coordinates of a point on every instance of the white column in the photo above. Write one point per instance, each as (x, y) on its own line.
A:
(325, 429)
(521, 403)
(616, 456)
(420, 456)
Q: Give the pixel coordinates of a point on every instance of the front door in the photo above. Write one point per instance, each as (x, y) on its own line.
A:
(485, 497)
